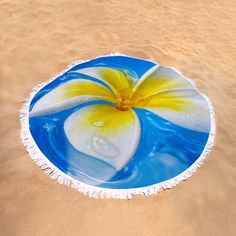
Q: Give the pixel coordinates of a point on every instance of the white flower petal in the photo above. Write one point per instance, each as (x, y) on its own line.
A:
(69, 94)
(171, 96)
(104, 132)
(120, 82)
(187, 108)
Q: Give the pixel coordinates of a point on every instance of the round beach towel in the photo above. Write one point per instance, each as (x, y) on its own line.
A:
(115, 126)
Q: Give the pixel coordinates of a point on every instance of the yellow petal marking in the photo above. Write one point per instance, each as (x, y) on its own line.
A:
(70, 94)
(84, 87)
(109, 119)
(151, 86)
(161, 88)
(119, 80)
(168, 100)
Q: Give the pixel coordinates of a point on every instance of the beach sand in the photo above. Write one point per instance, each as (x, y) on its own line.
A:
(39, 39)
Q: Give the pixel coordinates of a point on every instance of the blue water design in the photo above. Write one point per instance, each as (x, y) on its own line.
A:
(164, 151)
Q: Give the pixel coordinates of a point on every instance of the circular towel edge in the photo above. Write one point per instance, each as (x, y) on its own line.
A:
(93, 191)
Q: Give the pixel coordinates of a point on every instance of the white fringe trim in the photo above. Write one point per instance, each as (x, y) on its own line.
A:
(93, 191)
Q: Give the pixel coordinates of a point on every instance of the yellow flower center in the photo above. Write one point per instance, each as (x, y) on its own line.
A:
(124, 104)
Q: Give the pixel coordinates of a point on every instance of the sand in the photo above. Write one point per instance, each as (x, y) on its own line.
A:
(39, 39)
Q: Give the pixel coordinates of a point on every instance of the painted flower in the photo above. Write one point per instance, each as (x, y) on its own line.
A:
(111, 131)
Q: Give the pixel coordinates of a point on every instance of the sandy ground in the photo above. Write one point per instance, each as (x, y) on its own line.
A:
(40, 38)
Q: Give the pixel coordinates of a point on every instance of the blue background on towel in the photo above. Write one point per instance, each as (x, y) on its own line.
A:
(165, 149)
